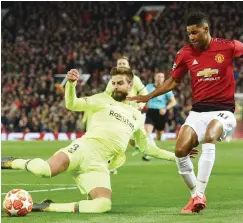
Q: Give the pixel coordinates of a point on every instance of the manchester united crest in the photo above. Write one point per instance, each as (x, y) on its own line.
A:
(219, 58)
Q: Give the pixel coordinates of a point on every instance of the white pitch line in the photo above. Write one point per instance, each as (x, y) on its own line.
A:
(54, 189)
(38, 184)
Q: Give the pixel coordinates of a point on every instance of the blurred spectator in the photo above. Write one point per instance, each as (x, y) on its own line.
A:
(40, 39)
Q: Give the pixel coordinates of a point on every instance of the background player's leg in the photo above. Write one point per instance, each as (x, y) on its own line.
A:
(186, 141)
(159, 134)
(149, 130)
(160, 125)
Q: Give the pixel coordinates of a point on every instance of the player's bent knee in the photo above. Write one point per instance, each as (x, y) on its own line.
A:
(214, 131)
(97, 205)
(210, 137)
(39, 167)
(181, 152)
(103, 205)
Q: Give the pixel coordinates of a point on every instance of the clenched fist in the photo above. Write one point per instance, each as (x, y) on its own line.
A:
(72, 75)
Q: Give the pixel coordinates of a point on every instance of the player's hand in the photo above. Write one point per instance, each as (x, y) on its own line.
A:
(72, 75)
(139, 98)
(162, 111)
(193, 152)
(140, 106)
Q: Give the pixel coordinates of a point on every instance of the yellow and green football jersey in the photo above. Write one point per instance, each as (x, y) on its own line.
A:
(113, 123)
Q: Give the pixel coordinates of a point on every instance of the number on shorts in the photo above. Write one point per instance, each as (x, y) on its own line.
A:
(73, 148)
(222, 115)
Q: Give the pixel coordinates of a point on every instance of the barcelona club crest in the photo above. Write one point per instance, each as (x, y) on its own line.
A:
(219, 58)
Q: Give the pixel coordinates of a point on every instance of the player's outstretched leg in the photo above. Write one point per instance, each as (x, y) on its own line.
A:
(6, 162)
(100, 203)
(37, 166)
(41, 206)
(57, 164)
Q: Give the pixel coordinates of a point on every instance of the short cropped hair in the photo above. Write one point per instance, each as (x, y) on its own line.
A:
(123, 57)
(122, 71)
(197, 18)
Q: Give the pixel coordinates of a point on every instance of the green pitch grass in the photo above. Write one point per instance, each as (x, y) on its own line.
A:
(142, 191)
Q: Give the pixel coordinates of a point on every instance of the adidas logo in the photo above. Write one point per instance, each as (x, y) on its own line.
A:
(194, 62)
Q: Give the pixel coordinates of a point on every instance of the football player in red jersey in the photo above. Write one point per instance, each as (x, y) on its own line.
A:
(209, 61)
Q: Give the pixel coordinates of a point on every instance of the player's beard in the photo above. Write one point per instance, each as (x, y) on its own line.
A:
(119, 95)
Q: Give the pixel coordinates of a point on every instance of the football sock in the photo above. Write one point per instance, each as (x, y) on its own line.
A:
(205, 166)
(186, 170)
(18, 164)
(37, 166)
(98, 205)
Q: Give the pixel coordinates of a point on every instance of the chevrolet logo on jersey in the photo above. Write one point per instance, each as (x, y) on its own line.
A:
(208, 72)
(121, 118)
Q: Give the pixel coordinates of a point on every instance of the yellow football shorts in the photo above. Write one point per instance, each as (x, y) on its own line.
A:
(87, 164)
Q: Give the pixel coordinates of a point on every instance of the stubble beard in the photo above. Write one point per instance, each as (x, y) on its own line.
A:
(119, 96)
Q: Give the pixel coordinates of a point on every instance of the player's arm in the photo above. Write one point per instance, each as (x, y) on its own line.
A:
(148, 148)
(238, 48)
(167, 86)
(171, 100)
(172, 103)
(109, 88)
(178, 72)
(139, 86)
(140, 89)
(71, 101)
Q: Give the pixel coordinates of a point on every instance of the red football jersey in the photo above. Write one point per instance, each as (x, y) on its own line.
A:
(211, 70)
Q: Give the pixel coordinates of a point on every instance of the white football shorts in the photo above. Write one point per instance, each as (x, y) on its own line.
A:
(200, 120)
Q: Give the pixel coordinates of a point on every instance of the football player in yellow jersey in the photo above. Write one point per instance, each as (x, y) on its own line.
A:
(137, 89)
(103, 146)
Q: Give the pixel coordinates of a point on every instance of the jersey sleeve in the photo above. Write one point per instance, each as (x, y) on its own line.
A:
(139, 86)
(145, 146)
(78, 104)
(169, 95)
(109, 89)
(238, 48)
(179, 68)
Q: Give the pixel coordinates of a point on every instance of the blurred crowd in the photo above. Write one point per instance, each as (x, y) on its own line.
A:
(41, 39)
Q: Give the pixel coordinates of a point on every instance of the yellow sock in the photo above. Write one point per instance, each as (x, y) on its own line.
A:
(98, 205)
(18, 164)
(65, 207)
(37, 166)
